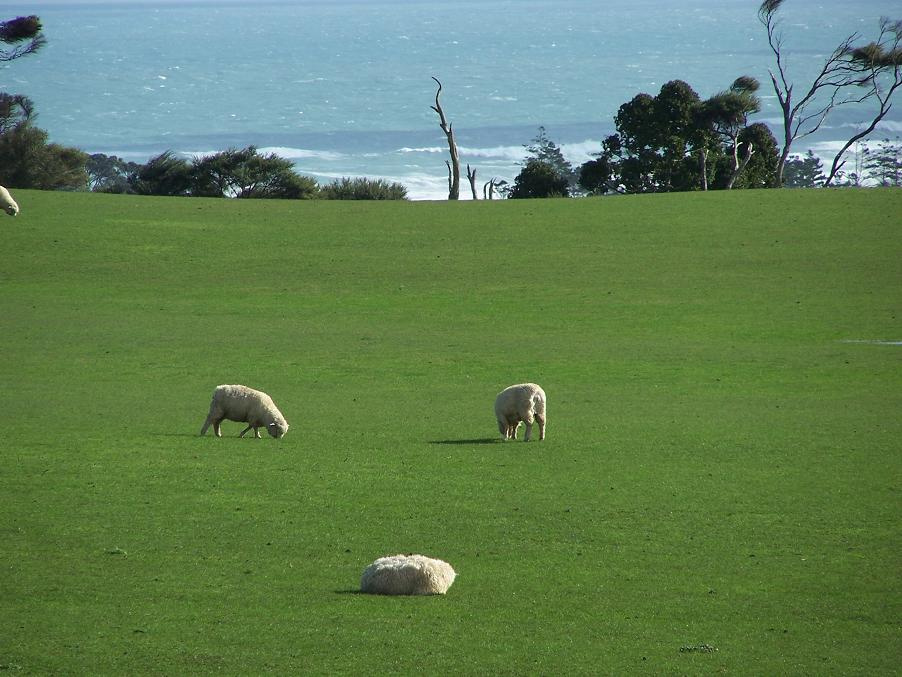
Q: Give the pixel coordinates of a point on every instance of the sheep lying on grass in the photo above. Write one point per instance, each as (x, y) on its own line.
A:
(523, 402)
(7, 203)
(245, 405)
(407, 575)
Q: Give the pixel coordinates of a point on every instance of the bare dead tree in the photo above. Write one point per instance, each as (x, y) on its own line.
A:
(454, 163)
(834, 85)
(880, 64)
(489, 188)
(471, 177)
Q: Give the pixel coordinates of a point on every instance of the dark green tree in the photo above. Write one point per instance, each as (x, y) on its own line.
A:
(24, 33)
(657, 147)
(543, 149)
(165, 174)
(726, 115)
(597, 177)
(15, 110)
(760, 169)
(245, 173)
(109, 174)
(803, 171)
(27, 160)
(538, 179)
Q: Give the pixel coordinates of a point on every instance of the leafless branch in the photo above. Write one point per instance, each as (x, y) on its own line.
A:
(471, 177)
(839, 82)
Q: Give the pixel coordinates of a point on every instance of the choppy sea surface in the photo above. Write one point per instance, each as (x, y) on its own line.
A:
(344, 88)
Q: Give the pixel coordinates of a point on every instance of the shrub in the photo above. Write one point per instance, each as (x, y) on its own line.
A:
(363, 189)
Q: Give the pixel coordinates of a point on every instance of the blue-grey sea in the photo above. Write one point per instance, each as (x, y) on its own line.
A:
(344, 88)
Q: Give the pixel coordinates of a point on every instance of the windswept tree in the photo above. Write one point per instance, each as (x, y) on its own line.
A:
(165, 174)
(109, 173)
(15, 110)
(758, 170)
(28, 160)
(727, 114)
(878, 66)
(849, 75)
(246, 173)
(24, 34)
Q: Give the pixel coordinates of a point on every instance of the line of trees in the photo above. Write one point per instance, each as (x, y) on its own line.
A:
(29, 160)
(671, 141)
(237, 173)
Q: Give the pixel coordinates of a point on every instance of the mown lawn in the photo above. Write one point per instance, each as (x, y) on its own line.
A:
(720, 490)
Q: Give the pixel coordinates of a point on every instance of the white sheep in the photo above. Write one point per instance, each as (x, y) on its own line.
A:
(407, 575)
(7, 203)
(245, 405)
(523, 402)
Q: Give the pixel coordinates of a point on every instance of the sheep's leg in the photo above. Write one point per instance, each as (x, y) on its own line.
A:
(541, 420)
(528, 419)
(503, 428)
(217, 427)
(257, 434)
(241, 434)
(512, 430)
(203, 431)
(213, 417)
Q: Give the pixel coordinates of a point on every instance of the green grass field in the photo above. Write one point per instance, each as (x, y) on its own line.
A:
(720, 489)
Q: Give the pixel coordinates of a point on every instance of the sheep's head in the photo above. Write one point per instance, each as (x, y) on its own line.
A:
(277, 429)
(12, 210)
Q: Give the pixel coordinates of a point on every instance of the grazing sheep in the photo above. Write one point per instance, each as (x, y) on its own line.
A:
(520, 403)
(245, 405)
(407, 575)
(7, 203)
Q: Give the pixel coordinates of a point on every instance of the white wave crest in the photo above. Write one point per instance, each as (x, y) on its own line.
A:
(302, 153)
(425, 149)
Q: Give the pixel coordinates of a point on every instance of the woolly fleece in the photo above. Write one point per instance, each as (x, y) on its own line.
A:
(407, 575)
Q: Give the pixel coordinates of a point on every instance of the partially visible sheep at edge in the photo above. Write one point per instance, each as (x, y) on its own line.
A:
(7, 203)
(244, 405)
(524, 403)
(407, 575)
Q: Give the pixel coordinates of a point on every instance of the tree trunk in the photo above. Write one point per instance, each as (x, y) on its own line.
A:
(739, 165)
(454, 164)
(471, 177)
(703, 166)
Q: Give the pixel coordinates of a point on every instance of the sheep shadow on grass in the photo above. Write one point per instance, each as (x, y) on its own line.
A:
(481, 440)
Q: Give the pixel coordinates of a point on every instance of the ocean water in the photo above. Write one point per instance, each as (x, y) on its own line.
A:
(344, 88)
